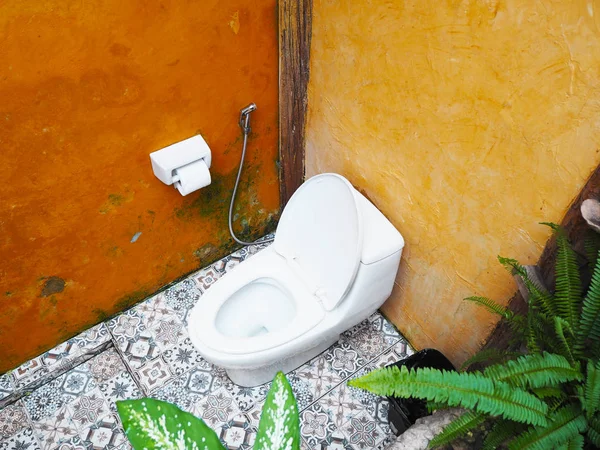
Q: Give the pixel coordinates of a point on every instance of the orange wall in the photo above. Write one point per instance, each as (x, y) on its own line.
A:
(87, 91)
(466, 122)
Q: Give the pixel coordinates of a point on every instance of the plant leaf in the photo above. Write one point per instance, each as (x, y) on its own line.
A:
(489, 355)
(491, 306)
(563, 425)
(589, 324)
(468, 390)
(535, 371)
(576, 443)
(567, 297)
(154, 424)
(279, 427)
(591, 397)
(593, 432)
(502, 431)
(538, 296)
(458, 427)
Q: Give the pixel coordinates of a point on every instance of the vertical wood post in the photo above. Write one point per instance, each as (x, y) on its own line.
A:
(295, 24)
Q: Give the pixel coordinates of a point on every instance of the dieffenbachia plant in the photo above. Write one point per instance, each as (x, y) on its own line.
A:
(156, 425)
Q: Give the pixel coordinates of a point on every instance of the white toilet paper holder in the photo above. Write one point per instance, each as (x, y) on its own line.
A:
(175, 156)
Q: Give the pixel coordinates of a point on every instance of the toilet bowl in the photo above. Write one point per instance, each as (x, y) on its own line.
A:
(332, 264)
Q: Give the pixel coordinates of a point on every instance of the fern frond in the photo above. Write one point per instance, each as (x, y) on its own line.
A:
(502, 431)
(491, 306)
(468, 390)
(533, 343)
(490, 355)
(457, 428)
(589, 323)
(563, 425)
(564, 343)
(535, 371)
(591, 396)
(567, 295)
(593, 432)
(538, 296)
(549, 392)
(576, 443)
(591, 246)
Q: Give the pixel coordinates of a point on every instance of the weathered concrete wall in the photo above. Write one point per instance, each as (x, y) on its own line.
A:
(87, 91)
(466, 122)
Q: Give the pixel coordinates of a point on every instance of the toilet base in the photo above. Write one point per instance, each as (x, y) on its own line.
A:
(261, 375)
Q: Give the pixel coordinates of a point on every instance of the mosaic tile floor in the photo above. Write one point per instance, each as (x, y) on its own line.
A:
(65, 398)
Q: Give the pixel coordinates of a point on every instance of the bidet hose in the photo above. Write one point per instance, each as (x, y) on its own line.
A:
(245, 130)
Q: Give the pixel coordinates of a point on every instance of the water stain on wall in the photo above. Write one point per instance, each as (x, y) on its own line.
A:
(88, 91)
(467, 123)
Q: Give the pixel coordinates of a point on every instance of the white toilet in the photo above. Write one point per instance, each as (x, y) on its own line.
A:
(332, 264)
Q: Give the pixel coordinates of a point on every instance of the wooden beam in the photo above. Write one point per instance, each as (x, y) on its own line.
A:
(295, 25)
(577, 231)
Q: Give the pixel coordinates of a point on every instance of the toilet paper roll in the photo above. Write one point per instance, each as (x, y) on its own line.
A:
(192, 177)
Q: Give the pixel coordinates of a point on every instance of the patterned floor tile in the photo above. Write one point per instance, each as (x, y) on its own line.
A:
(367, 340)
(126, 327)
(13, 419)
(247, 397)
(75, 443)
(105, 366)
(182, 297)
(56, 429)
(154, 310)
(182, 357)
(24, 440)
(325, 371)
(341, 404)
(88, 408)
(315, 425)
(7, 385)
(26, 374)
(216, 408)
(205, 278)
(76, 382)
(238, 433)
(153, 375)
(44, 401)
(104, 434)
(363, 432)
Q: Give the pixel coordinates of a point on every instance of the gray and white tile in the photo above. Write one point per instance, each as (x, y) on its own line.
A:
(23, 440)
(13, 419)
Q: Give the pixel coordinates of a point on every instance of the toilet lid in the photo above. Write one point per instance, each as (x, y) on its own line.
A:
(320, 235)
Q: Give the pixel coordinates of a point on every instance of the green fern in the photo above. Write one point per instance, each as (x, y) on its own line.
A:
(502, 431)
(549, 392)
(490, 355)
(591, 246)
(563, 425)
(467, 390)
(591, 394)
(538, 296)
(535, 371)
(491, 306)
(457, 428)
(593, 432)
(567, 297)
(589, 325)
(563, 346)
(575, 443)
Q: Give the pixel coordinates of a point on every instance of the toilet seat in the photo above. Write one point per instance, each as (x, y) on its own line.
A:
(269, 268)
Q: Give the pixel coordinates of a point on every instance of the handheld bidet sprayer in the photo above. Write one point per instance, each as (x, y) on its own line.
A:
(245, 126)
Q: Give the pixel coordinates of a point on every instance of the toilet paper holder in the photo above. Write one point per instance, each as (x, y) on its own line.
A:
(167, 160)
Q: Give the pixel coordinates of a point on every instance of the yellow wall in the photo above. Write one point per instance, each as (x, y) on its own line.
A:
(466, 123)
(87, 90)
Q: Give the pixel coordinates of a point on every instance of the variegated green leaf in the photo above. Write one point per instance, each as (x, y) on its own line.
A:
(156, 425)
(279, 427)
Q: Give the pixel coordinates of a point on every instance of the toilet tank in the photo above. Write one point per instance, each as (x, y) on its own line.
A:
(379, 262)
(380, 237)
